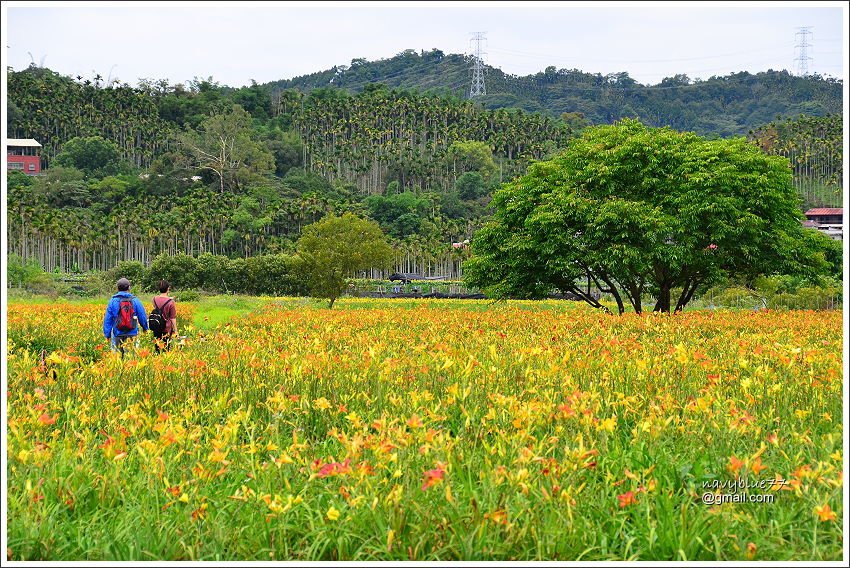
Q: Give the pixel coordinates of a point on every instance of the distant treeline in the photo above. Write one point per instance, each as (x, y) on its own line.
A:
(717, 106)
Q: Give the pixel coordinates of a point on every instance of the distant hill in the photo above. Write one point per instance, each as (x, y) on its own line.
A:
(718, 106)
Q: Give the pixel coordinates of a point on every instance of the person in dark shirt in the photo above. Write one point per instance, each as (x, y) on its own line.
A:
(165, 304)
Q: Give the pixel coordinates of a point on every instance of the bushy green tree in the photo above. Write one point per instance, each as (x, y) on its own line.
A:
(95, 156)
(334, 249)
(470, 186)
(274, 274)
(472, 156)
(400, 213)
(20, 272)
(181, 270)
(132, 270)
(642, 211)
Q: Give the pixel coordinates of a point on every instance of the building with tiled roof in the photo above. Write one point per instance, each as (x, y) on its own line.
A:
(828, 220)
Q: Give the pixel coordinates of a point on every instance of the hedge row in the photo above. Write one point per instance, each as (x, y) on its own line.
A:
(274, 274)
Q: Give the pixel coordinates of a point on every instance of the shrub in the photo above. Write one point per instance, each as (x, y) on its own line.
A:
(20, 272)
(210, 272)
(96, 283)
(187, 296)
(270, 274)
(181, 270)
(233, 276)
(132, 270)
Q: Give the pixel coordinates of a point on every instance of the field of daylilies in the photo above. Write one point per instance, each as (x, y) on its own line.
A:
(427, 430)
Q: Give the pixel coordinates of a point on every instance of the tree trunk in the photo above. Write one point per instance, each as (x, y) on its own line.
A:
(663, 302)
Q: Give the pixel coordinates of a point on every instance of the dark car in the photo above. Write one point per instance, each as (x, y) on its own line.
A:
(403, 278)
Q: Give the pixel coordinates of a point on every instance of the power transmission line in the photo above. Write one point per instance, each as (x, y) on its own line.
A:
(803, 58)
(477, 87)
(548, 57)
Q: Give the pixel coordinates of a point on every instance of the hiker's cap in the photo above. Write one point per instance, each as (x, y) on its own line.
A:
(123, 284)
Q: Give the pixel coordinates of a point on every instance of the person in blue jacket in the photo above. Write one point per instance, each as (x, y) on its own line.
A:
(111, 319)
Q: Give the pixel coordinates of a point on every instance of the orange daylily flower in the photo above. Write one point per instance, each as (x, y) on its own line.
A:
(825, 514)
(627, 498)
(734, 465)
(499, 517)
(751, 550)
(47, 420)
(757, 466)
(433, 477)
(334, 468)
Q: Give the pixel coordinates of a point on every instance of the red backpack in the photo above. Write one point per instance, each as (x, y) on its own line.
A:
(126, 313)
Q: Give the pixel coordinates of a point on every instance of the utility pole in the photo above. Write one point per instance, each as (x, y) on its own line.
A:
(803, 44)
(477, 87)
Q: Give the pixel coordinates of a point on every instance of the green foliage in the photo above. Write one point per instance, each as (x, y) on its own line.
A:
(273, 274)
(134, 271)
(814, 145)
(28, 275)
(472, 156)
(54, 109)
(187, 296)
(18, 180)
(363, 133)
(333, 249)
(400, 214)
(783, 291)
(470, 186)
(307, 182)
(210, 271)
(20, 272)
(287, 149)
(93, 155)
(233, 276)
(256, 100)
(432, 141)
(109, 190)
(181, 270)
(825, 255)
(226, 145)
(718, 106)
(640, 210)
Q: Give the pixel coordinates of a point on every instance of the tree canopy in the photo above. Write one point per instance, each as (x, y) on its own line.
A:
(225, 145)
(93, 155)
(639, 212)
(333, 249)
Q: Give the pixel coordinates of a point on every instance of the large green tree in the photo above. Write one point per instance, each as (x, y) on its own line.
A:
(640, 212)
(93, 155)
(334, 249)
(226, 145)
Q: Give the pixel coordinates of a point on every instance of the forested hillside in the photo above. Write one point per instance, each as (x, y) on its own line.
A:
(241, 171)
(720, 105)
(133, 172)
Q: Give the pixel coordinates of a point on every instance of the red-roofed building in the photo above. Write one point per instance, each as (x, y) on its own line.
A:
(826, 215)
(829, 220)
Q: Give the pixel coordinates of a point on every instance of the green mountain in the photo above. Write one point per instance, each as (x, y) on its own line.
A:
(719, 106)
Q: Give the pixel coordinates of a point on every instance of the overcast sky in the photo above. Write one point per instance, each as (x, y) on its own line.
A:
(235, 43)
